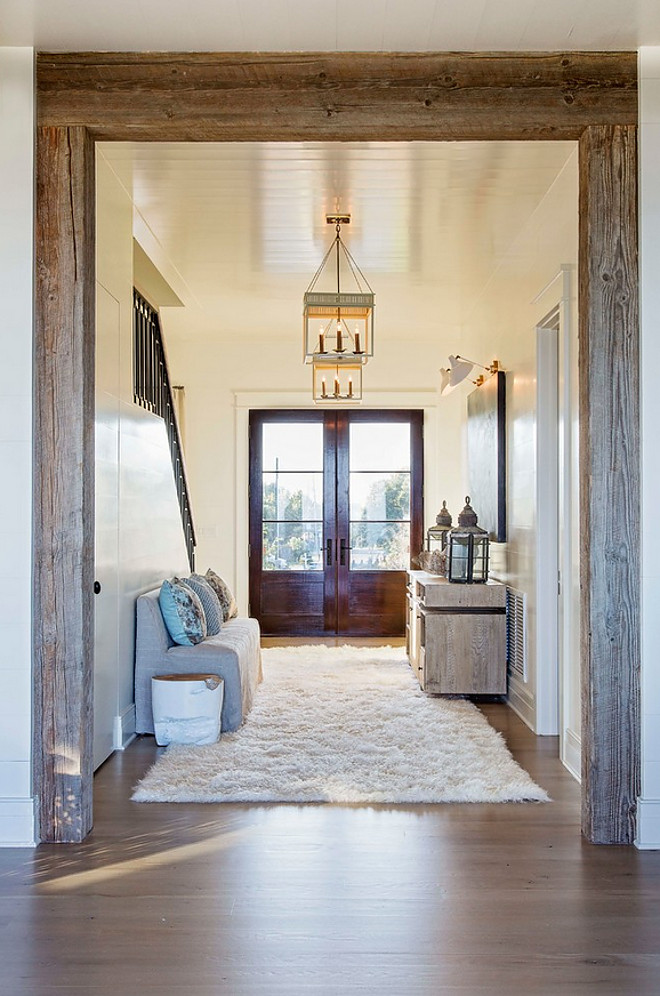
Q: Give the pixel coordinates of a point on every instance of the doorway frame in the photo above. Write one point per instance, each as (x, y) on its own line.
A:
(339, 589)
(587, 97)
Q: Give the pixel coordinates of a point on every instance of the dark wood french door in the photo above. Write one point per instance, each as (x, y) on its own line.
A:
(335, 516)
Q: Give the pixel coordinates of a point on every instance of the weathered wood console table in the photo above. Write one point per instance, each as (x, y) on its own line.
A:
(456, 635)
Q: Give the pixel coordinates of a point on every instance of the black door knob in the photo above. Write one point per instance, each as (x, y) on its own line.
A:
(97, 587)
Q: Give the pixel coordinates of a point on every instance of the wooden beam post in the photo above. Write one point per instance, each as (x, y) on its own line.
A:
(64, 482)
(342, 97)
(609, 483)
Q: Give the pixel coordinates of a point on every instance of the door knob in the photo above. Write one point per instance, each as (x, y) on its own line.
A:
(97, 587)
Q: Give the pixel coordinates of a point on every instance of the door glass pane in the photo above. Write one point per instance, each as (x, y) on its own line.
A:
(292, 497)
(380, 496)
(292, 446)
(292, 546)
(380, 446)
(380, 546)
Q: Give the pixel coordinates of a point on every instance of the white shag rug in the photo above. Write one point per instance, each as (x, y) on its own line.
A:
(345, 725)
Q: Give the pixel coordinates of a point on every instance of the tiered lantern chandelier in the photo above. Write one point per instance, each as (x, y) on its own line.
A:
(338, 325)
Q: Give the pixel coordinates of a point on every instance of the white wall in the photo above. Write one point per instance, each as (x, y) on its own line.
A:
(16, 293)
(519, 295)
(139, 537)
(648, 829)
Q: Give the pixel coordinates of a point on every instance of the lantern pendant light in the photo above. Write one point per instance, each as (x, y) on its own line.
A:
(338, 322)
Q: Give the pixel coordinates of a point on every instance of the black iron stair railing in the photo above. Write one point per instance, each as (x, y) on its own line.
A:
(152, 390)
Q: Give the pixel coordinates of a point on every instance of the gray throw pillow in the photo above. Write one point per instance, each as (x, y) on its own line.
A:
(223, 591)
(210, 602)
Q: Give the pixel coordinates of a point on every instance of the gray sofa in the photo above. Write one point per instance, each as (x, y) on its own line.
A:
(234, 654)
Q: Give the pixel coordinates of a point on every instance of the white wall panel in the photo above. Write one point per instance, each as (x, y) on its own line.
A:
(139, 538)
(648, 830)
(16, 292)
(503, 325)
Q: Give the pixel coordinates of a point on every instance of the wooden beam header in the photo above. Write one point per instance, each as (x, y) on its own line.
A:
(336, 96)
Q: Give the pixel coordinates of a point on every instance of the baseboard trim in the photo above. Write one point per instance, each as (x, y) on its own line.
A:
(521, 701)
(17, 824)
(571, 754)
(648, 825)
(124, 728)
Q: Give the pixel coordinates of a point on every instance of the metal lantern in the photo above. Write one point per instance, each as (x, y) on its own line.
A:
(468, 549)
(338, 323)
(436, 536)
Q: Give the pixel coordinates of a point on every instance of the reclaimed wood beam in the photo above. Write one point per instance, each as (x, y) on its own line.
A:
(63, 512)
(609, 483)
(336, 96)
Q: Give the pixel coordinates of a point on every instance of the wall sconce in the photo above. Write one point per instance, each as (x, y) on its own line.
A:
(459, 368)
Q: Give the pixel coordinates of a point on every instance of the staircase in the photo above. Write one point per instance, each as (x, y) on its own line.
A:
(152, 390)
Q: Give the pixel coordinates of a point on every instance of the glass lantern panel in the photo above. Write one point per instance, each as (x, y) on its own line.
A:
(459, 558)
(436, 538)
(480, 559)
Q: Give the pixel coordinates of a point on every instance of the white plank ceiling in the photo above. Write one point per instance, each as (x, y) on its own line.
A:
(239, 228)
(330, 25)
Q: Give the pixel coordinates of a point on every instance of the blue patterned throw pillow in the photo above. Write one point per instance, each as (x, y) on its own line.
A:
(182, 613)
(209, 600)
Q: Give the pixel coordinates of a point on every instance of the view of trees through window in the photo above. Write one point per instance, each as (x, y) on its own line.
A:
(380, 530)
(378, 485)
(382, 545)
(290, 543)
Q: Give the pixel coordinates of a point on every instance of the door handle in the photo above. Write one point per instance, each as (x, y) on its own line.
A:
(328, 553)
(342, 552)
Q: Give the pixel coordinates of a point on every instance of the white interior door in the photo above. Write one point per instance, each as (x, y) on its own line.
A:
(107, 525)
(548, 582)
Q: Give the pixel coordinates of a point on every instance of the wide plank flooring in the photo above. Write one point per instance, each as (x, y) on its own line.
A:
(319, 899)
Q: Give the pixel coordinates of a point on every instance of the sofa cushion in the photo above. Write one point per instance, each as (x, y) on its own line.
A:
(210, 602)
(182, 613)
(223, 591)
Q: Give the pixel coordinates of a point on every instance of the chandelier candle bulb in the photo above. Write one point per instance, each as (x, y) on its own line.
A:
(340, 341)
(350, 387)
(324, 393)
(357, 342)
(321, 343)
(336, 387)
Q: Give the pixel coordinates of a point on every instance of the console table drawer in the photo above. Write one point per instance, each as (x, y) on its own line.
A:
(465, 654)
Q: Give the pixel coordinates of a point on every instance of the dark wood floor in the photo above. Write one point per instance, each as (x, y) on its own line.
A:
(240, 899)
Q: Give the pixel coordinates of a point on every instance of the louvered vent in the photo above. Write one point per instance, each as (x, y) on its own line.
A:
(516, 631)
